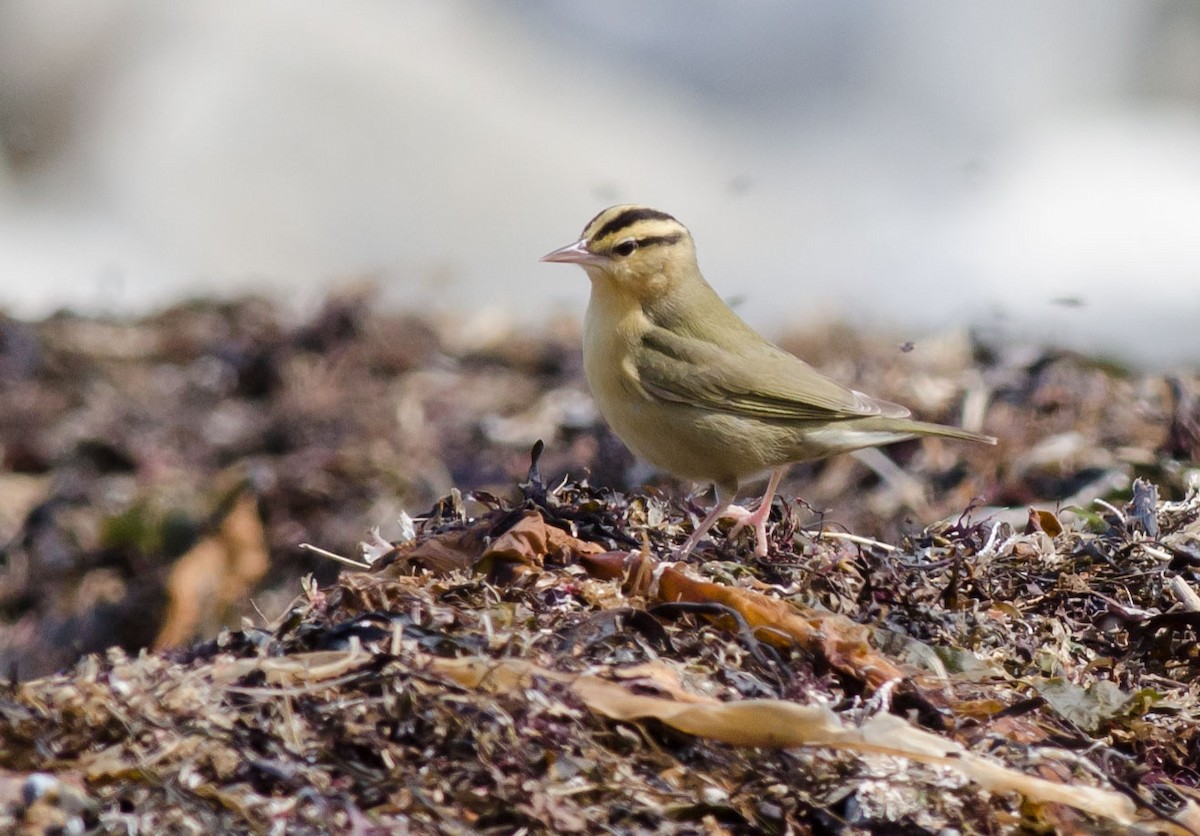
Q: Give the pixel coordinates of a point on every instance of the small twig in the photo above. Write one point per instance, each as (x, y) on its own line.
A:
(991, 541)
(1156, 553)
(1184, 594)
(1120, 516)
(855, 538)
(271, 692)
(323, 553)
(261, 614)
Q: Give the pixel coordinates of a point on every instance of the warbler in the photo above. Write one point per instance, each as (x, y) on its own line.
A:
(687, 385)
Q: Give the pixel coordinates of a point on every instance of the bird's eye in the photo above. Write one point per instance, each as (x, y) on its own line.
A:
(625, 247)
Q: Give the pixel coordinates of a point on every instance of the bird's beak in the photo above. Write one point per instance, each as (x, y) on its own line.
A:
(576, 253)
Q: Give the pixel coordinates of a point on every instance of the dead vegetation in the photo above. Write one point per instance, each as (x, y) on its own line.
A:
(985, 640)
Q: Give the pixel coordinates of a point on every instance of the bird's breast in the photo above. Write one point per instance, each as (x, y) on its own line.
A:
(611, 336)
(681, 438)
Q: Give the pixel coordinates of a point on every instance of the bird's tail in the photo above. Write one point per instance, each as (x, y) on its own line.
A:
(836, 437)
(910, 427)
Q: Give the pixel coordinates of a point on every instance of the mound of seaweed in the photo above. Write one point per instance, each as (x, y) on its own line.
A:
(906, 657)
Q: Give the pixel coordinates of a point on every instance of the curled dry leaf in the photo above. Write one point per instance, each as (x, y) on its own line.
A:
(1041, 520)
(843, 643)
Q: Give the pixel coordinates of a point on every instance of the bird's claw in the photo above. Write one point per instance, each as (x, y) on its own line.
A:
(756, 520)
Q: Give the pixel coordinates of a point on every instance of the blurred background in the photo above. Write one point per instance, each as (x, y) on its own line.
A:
(1030, 169)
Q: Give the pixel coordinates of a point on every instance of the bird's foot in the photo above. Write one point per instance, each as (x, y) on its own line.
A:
(756, 520)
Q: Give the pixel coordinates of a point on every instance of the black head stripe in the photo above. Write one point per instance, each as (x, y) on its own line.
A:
(628, 218)
(595, 218)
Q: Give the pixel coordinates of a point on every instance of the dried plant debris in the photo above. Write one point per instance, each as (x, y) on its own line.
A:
(982, 640)
(518, 669)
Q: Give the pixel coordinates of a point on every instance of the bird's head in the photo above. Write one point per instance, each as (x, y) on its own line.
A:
(637, 250)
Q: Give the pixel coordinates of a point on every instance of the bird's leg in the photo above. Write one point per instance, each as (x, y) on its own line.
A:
(719, 510)
(757, 519)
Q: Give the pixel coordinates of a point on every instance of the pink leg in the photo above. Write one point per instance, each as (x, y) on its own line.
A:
(756, 519)
(715, 514)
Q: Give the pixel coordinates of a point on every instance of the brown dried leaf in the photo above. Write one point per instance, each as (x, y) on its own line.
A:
(1046, 521)
(524, 546)
(843, 643)
(441, 554)
(214, 576)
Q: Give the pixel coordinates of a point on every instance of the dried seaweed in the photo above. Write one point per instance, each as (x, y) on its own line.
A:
(531, 656)
(563, 697)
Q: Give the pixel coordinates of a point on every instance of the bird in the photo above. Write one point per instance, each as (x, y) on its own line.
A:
(693, 389)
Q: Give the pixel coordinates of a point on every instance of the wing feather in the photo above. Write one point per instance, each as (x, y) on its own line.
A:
(762, 382)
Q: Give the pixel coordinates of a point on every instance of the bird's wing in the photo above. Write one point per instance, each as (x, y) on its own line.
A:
(765, 382)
